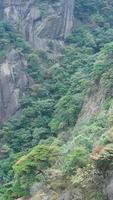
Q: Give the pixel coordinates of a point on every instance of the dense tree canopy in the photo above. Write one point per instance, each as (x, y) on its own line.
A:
(50, 124)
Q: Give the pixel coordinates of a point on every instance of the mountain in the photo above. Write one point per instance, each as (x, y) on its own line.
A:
(56, 100)
(43, 25)
(41, 22)
(13, 82)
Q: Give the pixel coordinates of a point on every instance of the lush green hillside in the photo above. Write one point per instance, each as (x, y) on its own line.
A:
(57, 121)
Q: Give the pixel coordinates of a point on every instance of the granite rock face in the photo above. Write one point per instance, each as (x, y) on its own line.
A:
(44, 24)
(13, 82)
(109, 185)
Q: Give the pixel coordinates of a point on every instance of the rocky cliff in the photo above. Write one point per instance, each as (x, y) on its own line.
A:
(75, 119)
(13, 82)
(44, 24)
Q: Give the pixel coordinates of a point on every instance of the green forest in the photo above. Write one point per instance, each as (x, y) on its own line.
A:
(57, 130)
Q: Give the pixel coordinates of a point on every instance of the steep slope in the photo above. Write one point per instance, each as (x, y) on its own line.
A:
(61, 145)
(14, 79)
(41, 22)
(13, 83)
(44, 25)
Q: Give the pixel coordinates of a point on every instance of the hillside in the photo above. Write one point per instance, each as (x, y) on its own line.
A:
(56, 100)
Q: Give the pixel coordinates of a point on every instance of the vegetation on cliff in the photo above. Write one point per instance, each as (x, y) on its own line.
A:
(67, 113)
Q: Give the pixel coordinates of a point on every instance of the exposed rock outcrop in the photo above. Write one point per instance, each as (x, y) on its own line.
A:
(42, 23)
(45, 25)
(109, 185)
(13, 82)
(92, 104)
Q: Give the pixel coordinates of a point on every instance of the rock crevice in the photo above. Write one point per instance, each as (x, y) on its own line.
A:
(41, 22)
(13, 82)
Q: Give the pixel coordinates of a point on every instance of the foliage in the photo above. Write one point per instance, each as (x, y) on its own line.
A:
(63, 86)
(87, 179)
(29, 167)
(75, 159)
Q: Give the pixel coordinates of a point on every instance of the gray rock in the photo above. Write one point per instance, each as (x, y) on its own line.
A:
(13, 82)
(109, 185)
(45, 26)
(65, 196)
(110, 190)
(71, 195)
(39, 21)
(36, 187)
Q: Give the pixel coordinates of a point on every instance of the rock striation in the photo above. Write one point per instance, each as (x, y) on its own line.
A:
(44, 24)
(13, 82)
